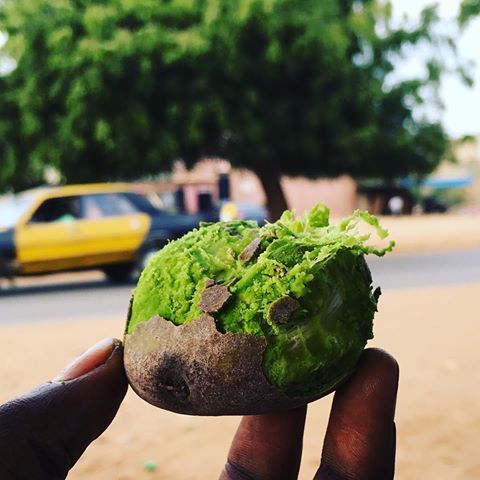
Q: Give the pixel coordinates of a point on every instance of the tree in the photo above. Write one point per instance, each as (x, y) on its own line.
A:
(105, 89)
(119, 88)
(468, 9)
(303, 86)
(17, 169)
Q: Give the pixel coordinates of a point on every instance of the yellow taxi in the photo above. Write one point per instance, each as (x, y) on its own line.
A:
(106, 226)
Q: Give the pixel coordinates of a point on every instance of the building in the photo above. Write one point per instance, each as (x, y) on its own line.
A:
(339, 194)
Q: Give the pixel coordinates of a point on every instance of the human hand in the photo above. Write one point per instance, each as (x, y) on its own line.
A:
(43, 433)
(360, 439)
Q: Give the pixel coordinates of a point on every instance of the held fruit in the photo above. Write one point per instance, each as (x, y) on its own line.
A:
(234, 319)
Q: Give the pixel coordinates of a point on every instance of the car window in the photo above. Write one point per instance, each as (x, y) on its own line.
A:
(144, 202)
(105, 205)
(61, 209)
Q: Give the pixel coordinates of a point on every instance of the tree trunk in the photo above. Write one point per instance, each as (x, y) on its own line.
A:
(270, 180)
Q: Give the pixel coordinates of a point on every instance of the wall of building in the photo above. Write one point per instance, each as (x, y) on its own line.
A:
(302, 193)
(467, 155)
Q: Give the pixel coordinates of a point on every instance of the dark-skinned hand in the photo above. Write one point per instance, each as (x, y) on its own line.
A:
(43, 433)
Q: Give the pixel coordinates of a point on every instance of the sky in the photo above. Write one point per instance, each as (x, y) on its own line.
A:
(461, 115)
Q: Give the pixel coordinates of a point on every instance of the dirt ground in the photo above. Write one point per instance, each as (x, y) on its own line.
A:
(415, 234)
(433, 332)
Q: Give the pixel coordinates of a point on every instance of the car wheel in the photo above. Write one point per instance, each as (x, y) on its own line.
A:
(120, 273)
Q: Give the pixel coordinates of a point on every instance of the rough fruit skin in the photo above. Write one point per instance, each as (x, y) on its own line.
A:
(316, 270)
(194, 369)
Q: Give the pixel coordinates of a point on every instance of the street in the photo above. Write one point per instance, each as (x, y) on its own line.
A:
(80, 296)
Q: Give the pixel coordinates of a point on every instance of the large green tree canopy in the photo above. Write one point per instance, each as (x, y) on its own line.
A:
(108, 89)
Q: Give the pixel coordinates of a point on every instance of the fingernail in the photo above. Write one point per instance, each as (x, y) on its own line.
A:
(89, 360)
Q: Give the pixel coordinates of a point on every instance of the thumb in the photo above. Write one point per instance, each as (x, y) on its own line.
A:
(43, 433)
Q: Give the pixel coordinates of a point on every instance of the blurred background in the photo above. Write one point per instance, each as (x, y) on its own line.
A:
(124, 124)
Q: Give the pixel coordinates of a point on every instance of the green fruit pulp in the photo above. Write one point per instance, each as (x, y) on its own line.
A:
(318, 264)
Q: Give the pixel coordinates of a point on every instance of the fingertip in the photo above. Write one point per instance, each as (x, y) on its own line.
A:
(376, 377)
(360, 435)
(112, 371)
(97, 355)
(382, 360)
(116, 356)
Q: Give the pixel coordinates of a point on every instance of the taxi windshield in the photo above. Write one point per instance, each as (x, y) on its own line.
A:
(12, 207)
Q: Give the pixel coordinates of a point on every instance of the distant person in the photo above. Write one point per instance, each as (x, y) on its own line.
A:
(228, 212)
(70, 211)
(91, 209)
(65, 217)
(44, 433)
(395, 205)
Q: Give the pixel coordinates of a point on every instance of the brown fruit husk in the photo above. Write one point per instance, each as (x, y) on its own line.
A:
(194, 369)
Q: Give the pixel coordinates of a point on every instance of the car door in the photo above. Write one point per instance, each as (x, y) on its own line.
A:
(49, 239)
(112, 229)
